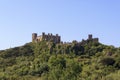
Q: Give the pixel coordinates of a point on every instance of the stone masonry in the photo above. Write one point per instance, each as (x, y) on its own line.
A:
(46, 37)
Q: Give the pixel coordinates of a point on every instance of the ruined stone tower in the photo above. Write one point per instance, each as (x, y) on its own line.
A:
(34, 37)
(90, 36)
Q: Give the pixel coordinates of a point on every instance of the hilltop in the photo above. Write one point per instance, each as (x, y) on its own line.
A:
(47, 60)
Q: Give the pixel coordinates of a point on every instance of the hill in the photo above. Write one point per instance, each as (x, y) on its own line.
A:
(69, 61)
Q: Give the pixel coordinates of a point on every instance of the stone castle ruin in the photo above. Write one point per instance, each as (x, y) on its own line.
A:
(46, 37)
(57, 39)
(90, 38)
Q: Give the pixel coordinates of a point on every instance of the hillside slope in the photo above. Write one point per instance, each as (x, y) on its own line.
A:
(70, 61)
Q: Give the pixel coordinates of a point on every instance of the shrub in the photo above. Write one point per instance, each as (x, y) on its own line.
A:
(107, 61)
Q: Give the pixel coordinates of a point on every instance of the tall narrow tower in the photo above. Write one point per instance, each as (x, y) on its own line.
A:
(90, 36)
(34, 36)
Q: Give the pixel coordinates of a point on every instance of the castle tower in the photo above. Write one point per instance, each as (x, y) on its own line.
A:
(34, 37)
(90, 36)
(57, 38)
(43, 33)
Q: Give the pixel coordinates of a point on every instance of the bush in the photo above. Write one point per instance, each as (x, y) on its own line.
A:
(107, 61)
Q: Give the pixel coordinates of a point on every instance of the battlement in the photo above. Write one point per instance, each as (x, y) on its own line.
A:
(46, 37)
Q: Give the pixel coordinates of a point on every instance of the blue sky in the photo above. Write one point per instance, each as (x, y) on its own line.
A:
(72, 19)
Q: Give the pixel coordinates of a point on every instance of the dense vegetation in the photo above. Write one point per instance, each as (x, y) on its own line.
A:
(49, 61)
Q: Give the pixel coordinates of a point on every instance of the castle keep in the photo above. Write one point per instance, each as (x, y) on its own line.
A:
(46, 37)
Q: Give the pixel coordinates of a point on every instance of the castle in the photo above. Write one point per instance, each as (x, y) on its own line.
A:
(46, 37)
(57, 39)
(90, 38)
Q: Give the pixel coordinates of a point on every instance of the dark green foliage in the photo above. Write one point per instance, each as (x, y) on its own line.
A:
(50, 61)
(117, 63)
(107, 61)
(57, 61)
(39, 69)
